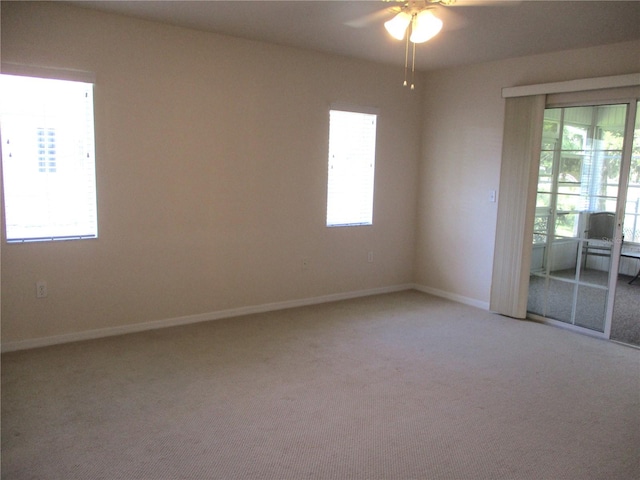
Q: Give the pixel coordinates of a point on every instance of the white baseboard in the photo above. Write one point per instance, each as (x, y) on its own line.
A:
(453, 296)
(188, 319)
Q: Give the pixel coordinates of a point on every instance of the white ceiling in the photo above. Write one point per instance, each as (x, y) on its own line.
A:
(474, 30)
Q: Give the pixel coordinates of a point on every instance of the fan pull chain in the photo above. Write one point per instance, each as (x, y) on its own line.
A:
(406, 60)
(413, 54)
(413, 66)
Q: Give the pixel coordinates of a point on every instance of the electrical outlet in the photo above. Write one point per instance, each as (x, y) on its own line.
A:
(41, 289)
(370, 256)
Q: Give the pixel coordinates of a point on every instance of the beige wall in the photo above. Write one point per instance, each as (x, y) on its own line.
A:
(211, 166)
(211, 174)
(460, 164)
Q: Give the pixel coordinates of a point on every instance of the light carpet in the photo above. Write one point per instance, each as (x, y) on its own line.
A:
(397, 386)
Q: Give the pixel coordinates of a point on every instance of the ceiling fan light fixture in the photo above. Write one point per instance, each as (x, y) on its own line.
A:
(397, 26)
(425, 27)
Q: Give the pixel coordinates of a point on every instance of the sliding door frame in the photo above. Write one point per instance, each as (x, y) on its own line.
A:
(512, 254)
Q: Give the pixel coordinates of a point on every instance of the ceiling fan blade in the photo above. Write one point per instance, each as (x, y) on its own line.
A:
(373, 17)
(451, 19)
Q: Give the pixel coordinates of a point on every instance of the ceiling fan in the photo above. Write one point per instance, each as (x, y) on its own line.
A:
(414, 21)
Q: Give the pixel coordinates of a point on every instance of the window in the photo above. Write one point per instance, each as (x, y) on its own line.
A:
(579, 167)
(352, 148)
(48, 158)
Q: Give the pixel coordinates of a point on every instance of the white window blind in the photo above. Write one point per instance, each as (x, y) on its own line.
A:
(48, 158)
(522, 137)
(352, 148)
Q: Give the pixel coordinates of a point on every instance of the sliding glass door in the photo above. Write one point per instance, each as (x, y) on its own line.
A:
(576, 237)
(625, 324)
